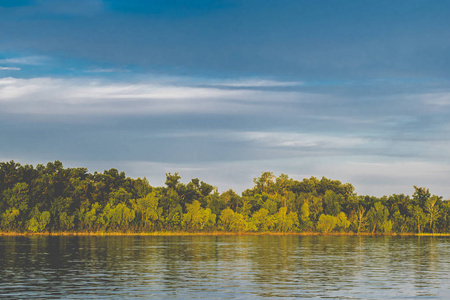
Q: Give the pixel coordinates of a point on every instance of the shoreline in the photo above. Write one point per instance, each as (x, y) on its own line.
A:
(215, 233)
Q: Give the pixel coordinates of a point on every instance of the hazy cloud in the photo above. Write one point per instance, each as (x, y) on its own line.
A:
(105, 70)
(436, 99)
(86, 96)
(257, 83)
(223, 90)
(301, 140)
(10, 68)
(25, 60)
(226, 135)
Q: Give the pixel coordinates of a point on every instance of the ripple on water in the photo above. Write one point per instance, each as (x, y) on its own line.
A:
(224, 267)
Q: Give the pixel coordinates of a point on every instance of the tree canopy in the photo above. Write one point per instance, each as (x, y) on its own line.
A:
(51, 198)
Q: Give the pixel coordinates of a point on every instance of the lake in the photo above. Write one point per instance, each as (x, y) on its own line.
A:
(225, 267)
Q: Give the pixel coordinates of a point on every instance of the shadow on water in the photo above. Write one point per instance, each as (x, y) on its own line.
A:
(224, 266)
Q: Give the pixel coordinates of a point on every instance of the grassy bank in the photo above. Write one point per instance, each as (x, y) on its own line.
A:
(215, 233)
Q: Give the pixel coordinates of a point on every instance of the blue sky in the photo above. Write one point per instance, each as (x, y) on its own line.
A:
(222, 90)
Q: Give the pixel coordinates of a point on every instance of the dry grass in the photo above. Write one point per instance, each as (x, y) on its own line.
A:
(433, 234)
(214, 233)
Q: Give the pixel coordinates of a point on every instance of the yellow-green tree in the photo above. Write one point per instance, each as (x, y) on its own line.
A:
(286, 222)
(262, 221)
(117, 217)
(432, 209)
(9, 219)
(326, 223)
(419, 219)
(342, 224)
(198, 218)
(377, 218)
(147, 210)
(304, 219)
(39, 221)
(17, 199)
(66, 221)
(232, 221)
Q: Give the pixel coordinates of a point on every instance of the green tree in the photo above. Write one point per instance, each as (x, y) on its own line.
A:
(360, 218)
(9, 219)
(198, 218)
(326, 223)
(421, 195)
(305, 221)
(172, 211)
(60, 206)
(432, 208)
(38, 221)
(247, 203)
(444, 217)
(232, 221)
(16, 199)
(342, 224)
(331, 203)
(286, 222)
(18, 196)
(147, 209)
(66, 221)
(117, 217)
(270, 204)
(265, 183)
(119, 195)
(89, 216)
(53, 198)
(377, 218)
(315, 207)
(399, 222)
(419, 218)
(172, 181)
(174, 219)
(262, 221)
(231, 200)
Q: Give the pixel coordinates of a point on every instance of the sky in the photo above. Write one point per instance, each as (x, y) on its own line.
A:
(357, 91)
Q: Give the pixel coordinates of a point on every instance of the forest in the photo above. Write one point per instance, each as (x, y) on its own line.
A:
(51, 198)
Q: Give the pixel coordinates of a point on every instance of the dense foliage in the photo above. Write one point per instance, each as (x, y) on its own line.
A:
(54, 199)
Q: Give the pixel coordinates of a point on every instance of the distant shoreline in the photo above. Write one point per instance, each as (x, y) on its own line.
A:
(219, 233)
(53, 200)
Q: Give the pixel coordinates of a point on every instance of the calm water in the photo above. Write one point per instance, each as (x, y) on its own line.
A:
(225, 267)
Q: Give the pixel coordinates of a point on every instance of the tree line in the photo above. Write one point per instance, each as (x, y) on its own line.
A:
(51, 198)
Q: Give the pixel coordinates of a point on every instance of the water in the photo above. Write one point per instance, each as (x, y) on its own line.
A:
(225, 267)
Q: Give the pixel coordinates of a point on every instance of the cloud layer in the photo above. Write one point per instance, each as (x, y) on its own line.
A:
(228, 131)
(223, 90)
(51, 96)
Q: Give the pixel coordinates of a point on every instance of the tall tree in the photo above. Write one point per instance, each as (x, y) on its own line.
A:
(432, 208)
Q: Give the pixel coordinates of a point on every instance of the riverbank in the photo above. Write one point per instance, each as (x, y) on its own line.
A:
(215, 233)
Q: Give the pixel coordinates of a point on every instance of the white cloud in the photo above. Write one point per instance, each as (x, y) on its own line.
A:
(10, 68)
(257, 83)
(437, 99)
(7, 81)
(105, 70)
(86, 96)
(300, 140)
(280, 139)
(25, 60)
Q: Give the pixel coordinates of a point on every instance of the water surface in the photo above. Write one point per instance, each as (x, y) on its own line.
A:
(225, 267)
